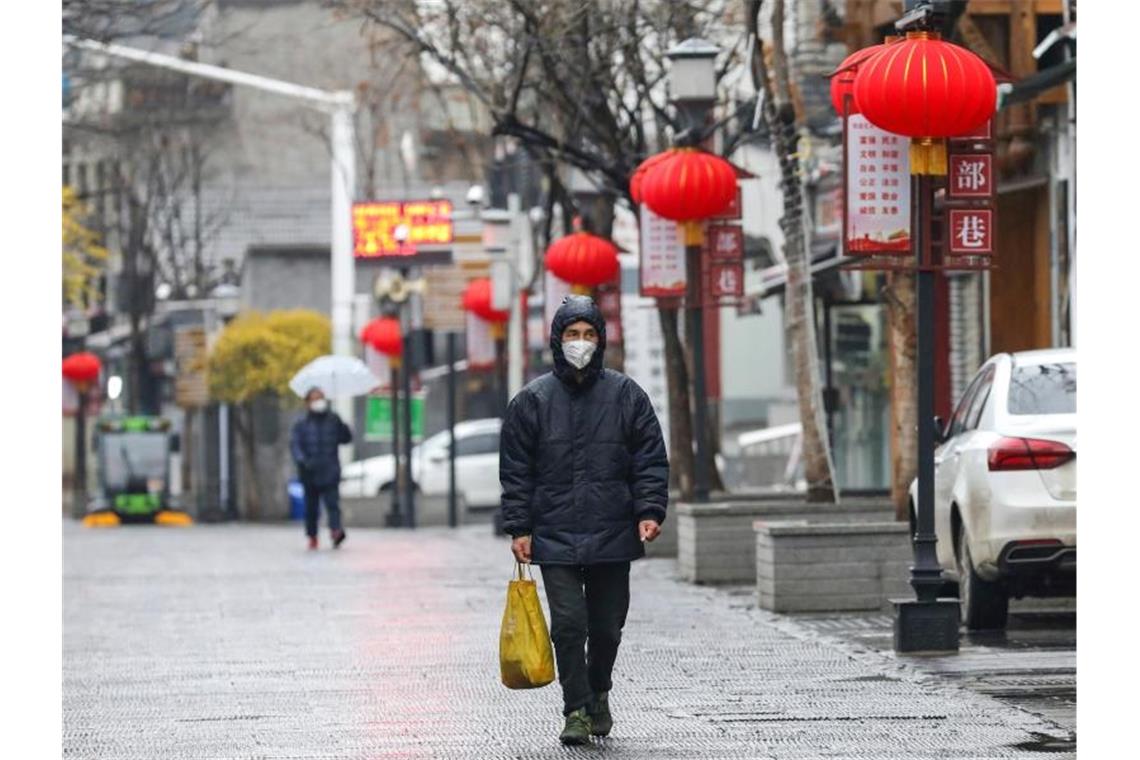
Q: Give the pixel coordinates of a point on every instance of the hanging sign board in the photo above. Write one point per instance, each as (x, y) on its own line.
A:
(876, 190)
(443, 294)
(662, 265)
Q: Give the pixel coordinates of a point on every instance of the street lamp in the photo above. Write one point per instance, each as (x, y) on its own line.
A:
(692, 84)
(227, 300)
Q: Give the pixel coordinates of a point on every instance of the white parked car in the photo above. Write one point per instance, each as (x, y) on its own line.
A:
(476, 467)
(1005, 485)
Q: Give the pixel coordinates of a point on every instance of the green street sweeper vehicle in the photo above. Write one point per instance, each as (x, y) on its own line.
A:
(133, 464)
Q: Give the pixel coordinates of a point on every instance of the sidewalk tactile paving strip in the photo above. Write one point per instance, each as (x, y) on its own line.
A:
(233, 642)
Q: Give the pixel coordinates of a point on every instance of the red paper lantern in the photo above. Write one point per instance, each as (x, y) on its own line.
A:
(82, 368)
(639, 174)
(927, 89)
(689, 185)
(843, 81)
(384, 335)
(583, 259)
(477, 299)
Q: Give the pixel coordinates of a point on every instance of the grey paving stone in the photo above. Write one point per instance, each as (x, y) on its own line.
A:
(233, 642)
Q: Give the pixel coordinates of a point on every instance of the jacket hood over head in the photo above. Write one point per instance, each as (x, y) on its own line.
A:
(577, 308)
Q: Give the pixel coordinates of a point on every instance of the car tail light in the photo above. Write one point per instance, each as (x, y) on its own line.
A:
(1028, 454)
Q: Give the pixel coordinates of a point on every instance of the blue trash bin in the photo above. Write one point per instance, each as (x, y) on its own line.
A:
(296, 500)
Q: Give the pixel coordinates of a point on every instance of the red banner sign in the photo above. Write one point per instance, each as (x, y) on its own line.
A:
(971, 176)
(724, 242)
(971, 231)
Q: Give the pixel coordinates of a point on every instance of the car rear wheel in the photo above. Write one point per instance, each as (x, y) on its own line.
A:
(985, 604)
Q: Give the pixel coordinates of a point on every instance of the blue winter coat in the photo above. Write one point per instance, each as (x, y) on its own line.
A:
(313, 444)
(581, 463)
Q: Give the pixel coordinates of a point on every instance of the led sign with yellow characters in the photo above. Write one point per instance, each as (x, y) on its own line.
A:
(400, 229)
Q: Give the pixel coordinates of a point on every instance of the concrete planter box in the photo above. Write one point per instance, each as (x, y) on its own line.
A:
(716, 542)
(371, 512)
(829, 567)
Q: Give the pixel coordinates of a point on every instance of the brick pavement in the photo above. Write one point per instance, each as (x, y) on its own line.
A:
(233, 642)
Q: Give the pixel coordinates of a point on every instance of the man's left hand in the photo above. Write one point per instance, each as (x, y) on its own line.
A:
(648, 529)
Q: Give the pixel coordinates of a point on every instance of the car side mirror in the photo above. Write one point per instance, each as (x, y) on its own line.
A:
(939, 429)
(437, 457)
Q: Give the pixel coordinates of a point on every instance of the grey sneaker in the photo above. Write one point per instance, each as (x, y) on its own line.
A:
(578, 728)
(599, 710)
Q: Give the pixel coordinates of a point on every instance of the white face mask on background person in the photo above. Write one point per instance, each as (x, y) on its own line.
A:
(579, 352)
(319, 405)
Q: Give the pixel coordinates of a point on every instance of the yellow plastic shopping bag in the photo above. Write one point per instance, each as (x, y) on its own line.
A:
(526, 660)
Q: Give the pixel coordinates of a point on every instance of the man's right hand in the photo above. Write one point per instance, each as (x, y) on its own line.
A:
(520, 547)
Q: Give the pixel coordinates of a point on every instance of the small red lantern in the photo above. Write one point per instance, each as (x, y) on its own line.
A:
(583, 259)
(384, 335)
(477, 300)
(639, 174)
(843, 80)
(82, 369)
(688, 186)
(927, 89)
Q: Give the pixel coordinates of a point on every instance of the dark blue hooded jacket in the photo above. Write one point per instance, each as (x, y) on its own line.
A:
(313, 444)
(582, 462)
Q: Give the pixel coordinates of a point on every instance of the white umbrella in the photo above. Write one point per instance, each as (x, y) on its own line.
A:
(336, 376)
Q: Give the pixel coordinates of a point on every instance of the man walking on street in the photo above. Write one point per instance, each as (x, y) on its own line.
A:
(313, 444)
(585, 482)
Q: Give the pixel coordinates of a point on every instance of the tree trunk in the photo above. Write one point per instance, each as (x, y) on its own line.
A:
(779, 115)
(680, 418)
(251, 481)
(899, 296)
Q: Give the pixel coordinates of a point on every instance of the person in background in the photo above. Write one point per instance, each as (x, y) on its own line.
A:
(313, 444)
(585, 483)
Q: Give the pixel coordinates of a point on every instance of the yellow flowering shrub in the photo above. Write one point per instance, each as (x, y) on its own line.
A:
(258, 353)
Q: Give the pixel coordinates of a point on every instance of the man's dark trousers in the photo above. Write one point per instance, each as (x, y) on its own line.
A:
(588, 605)
(314, 495)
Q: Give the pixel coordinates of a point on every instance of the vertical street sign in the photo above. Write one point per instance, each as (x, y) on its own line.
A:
(971, 176)
(876, 190)
(971, 231)
(662, 257)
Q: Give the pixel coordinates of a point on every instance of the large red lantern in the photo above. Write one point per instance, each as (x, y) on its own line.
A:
(583, 259)
(688, 186)
(477, 300)
(82, 369)
(384, 335)
(927, 89)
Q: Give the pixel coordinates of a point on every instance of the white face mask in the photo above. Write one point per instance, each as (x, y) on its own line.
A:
(579, 352)
(319, 405)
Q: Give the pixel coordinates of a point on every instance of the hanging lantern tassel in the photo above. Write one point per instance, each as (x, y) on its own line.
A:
(498, 330)
(928, 156)
(692, 232)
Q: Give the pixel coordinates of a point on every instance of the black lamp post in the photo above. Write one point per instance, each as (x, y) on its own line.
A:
(925, 623)
(692, 83)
